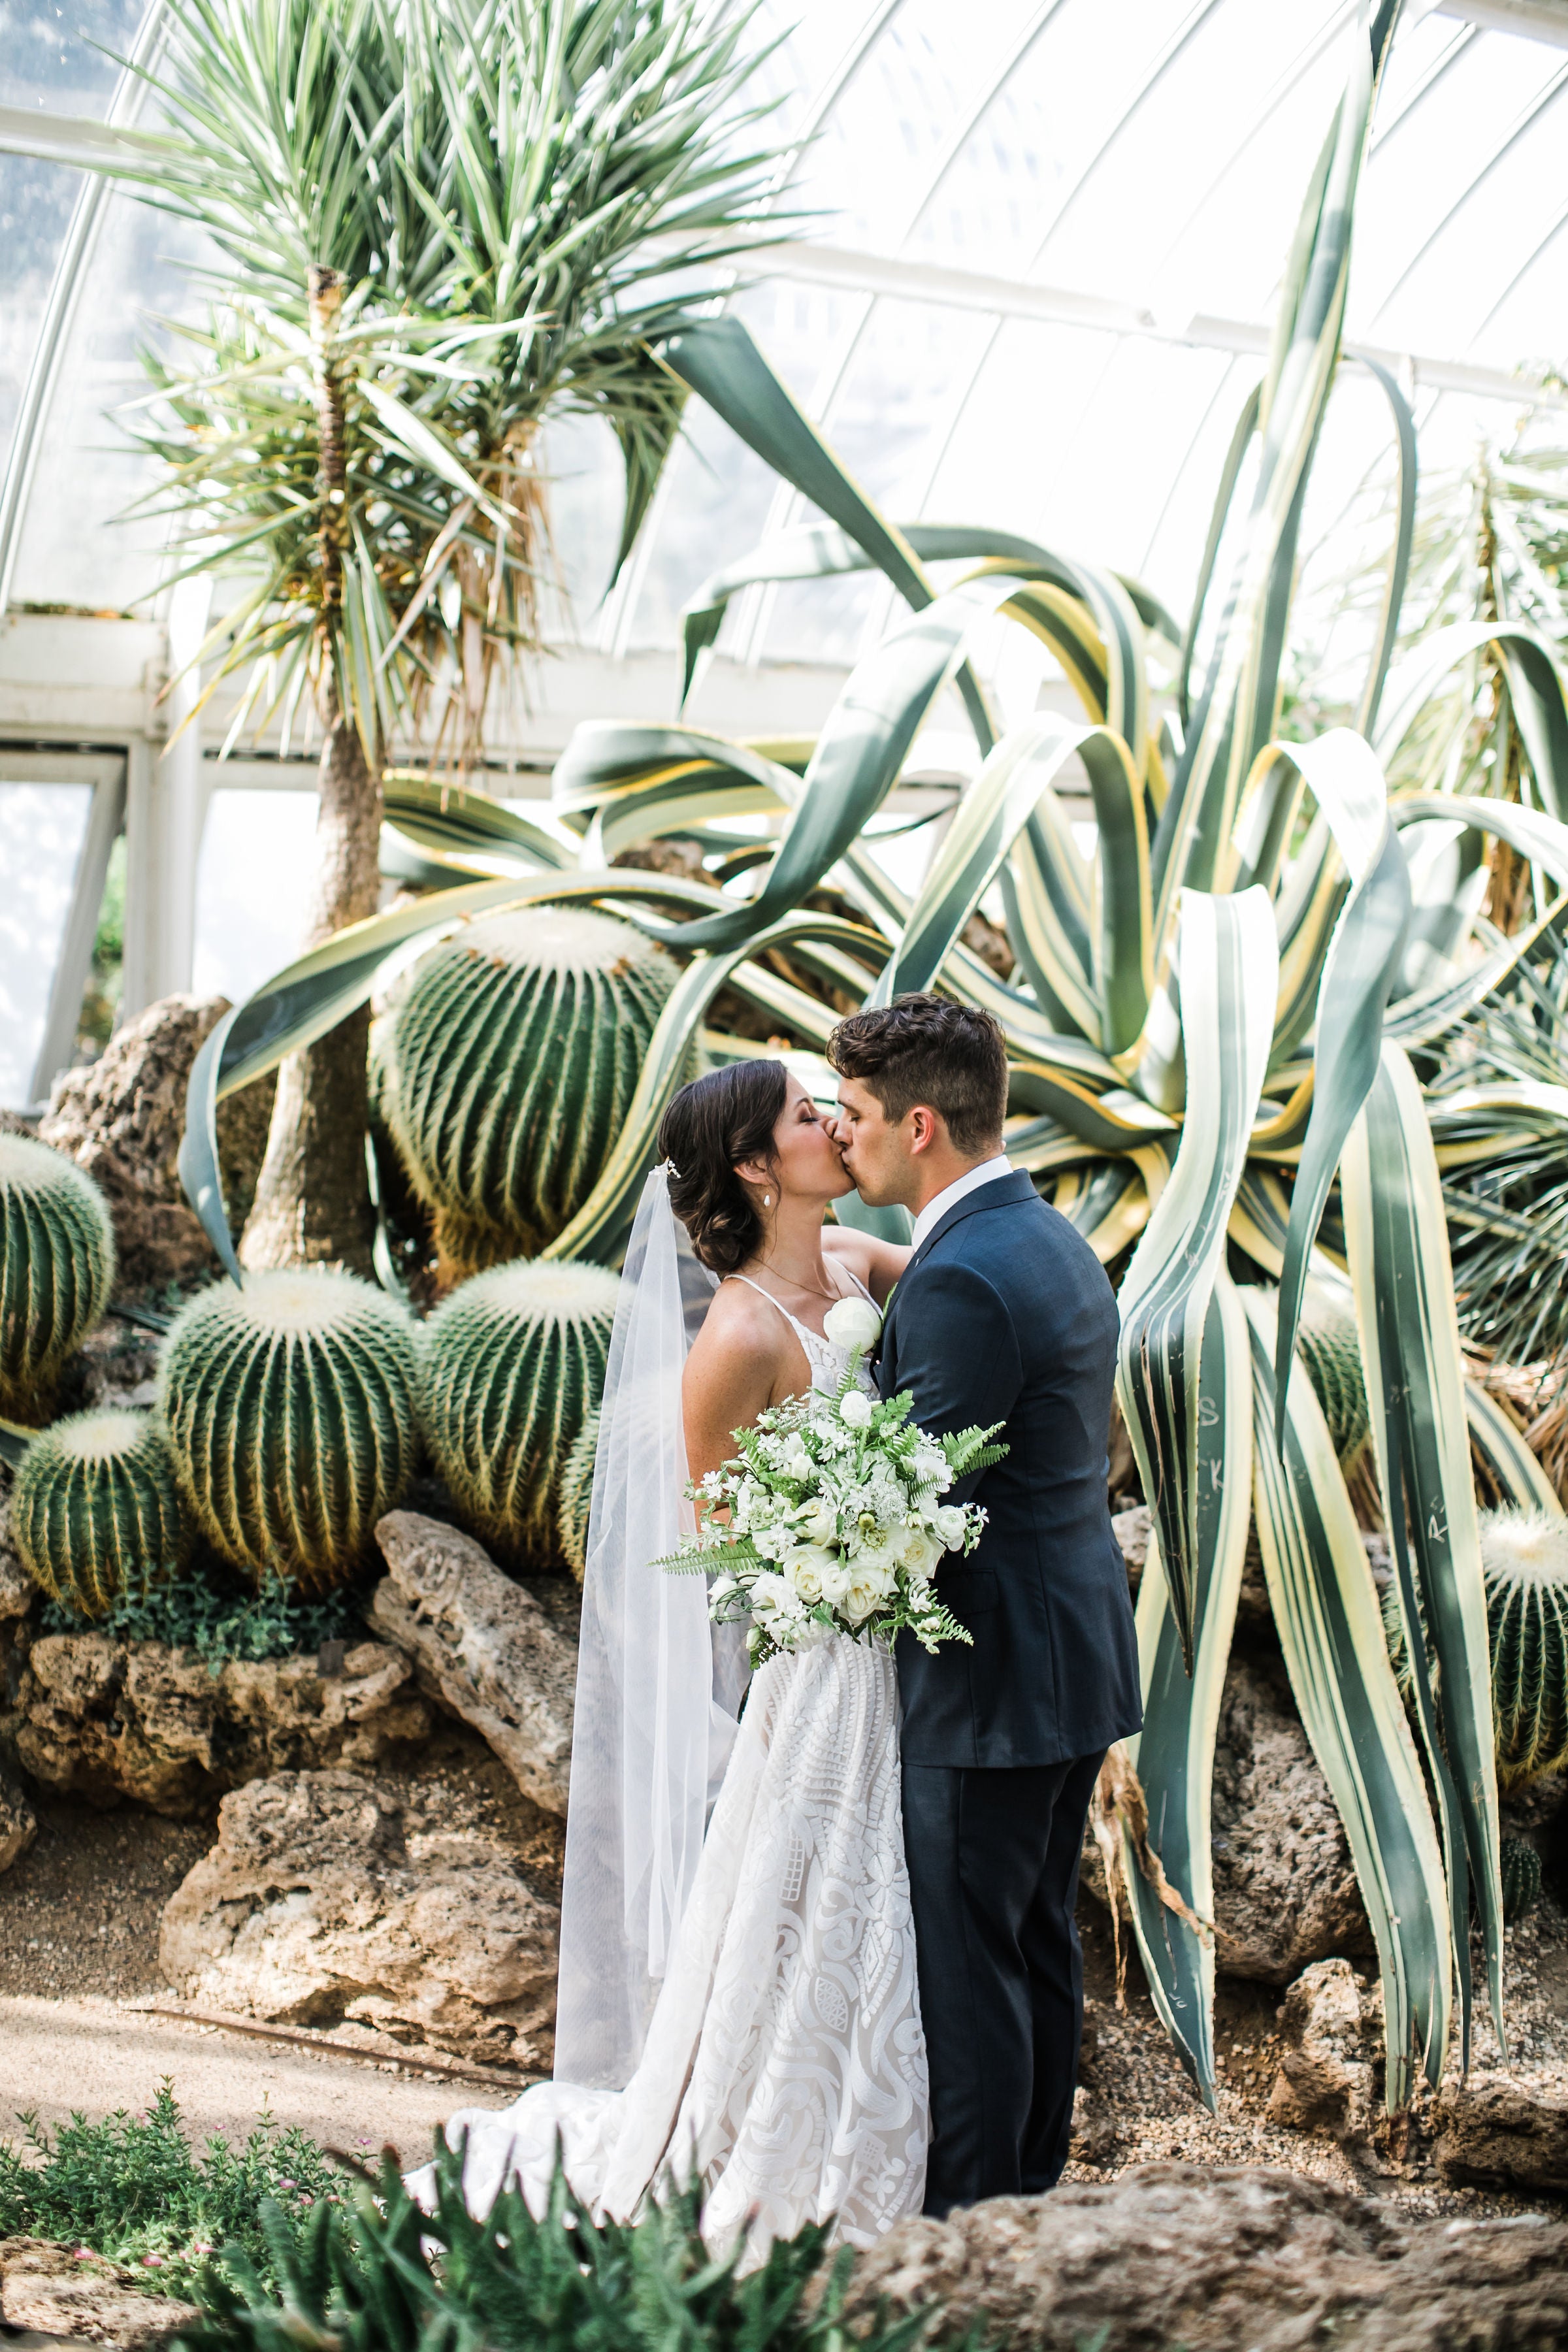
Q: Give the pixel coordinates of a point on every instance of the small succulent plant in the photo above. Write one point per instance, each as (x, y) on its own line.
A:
(57, 1270)
(95, 1510)
(514, 1364)
(1521, 1877)
(291, 1409)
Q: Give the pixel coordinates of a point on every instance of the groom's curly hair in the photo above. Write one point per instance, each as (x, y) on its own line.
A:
(921, 1049)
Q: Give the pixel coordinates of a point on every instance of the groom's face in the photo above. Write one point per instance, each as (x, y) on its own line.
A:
(877, 1156)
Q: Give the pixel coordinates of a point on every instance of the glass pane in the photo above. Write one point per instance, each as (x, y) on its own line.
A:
(253, 887)
(42, 827)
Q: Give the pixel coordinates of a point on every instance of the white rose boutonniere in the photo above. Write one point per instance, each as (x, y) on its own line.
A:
(853, 1323)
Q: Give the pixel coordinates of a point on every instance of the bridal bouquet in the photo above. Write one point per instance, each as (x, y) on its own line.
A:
(835, 1523)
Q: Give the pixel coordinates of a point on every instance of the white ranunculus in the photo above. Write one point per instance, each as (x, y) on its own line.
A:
(806, 1567)
(853, 1323)
(950, 1524)
(796, 1463)
(855, 1407)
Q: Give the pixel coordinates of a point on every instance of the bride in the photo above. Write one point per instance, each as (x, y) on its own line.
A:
(739, 2007)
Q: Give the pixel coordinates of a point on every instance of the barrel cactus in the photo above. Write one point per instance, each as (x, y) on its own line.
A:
(95, 1511)
(514, 1363)
(1331, 1354)
(1521, 1867)
(517, 1044)
(576, 1495)
(291, 1409)
(57, 1270)
(1524, 1561)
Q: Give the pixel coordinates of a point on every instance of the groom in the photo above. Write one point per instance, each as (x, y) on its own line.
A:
(1002, 1314)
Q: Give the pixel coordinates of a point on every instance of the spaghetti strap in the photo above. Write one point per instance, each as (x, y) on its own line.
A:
(784, 1310)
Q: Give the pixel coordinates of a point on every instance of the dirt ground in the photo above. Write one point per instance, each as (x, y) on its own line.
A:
(1140, 2106)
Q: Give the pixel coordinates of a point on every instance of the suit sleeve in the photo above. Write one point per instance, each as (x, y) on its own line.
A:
(958, 1356)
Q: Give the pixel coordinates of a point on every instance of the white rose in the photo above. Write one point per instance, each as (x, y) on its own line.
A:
(853, 1323)
(806, 1567)
(863, 1595)
(921, 1551)
(950, 1525)
(817, 1521)
(796, 1463)
(855, 1407)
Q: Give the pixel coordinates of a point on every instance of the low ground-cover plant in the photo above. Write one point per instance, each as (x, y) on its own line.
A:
(220, 1621)
(375, 2273)
(134, 2189)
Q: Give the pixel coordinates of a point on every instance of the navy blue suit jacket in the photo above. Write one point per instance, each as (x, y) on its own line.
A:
(1005, 1314)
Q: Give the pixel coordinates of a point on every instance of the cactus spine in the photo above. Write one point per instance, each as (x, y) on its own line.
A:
(95, 1510)
(577, 1495)
(1331, 1353)
(1521, 1877)
(514, 1363)
(1524, 1561)
(506, 1068)
(291, 1410)
(57, 1270)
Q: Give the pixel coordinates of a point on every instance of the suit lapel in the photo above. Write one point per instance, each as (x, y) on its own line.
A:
(1002, 1193)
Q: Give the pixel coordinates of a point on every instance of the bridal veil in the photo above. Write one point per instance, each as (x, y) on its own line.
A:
(658, 1688)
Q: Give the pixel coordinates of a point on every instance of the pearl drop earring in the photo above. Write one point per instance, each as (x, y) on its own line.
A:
(767, 1200)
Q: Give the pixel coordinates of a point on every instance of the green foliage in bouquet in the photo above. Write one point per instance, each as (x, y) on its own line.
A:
(514, 1365)
(292, 1410)
(506, 1069)
(377, 2274)
(577, 1495)
(56, 1269)
(1524, 1559)
(95, 1510)
(1521, 1878)
(132, 2188)
(833, 1522)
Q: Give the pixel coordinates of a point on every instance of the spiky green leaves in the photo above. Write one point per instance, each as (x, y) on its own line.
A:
(291, 1410)
(95, 1510)
(514, 1363)
(577, 1496)
(511, 1061)
(56, 1269)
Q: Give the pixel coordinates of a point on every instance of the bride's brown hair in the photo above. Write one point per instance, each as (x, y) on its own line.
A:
(726, 1116)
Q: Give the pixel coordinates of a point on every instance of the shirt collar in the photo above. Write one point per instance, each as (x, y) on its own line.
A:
(950, 1194)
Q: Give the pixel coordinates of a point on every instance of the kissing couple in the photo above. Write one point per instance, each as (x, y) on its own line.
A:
(820, 1954)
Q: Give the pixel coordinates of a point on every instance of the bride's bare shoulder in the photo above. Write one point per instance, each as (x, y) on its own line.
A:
(741, 1321)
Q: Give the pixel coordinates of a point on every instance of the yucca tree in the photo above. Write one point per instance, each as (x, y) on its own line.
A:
(1210, 1032)
(435, 222)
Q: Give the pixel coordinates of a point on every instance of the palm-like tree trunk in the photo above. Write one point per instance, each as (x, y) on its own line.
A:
(313, 1204)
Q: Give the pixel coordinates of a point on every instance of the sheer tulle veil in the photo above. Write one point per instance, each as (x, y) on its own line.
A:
(658, 1688)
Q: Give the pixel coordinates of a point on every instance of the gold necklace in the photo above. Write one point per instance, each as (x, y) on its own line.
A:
(811, 1286)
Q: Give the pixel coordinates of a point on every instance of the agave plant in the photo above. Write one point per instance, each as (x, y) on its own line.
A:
(1175, 1082)
(436, 223)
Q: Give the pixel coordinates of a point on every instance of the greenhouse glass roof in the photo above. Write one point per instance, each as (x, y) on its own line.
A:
(1042, 241)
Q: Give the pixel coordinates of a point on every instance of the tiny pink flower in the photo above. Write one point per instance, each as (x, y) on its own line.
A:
(152, 2262)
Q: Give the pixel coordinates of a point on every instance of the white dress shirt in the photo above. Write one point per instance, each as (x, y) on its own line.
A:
(950, 1194)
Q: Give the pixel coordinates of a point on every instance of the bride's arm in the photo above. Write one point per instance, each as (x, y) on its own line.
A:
(732, 1374)
(877, 1264)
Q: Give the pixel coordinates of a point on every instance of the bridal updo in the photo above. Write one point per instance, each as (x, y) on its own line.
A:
(718, 1121)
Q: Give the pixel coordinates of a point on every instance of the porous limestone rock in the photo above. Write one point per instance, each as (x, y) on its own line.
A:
(1219, 2259)
(19, 1822)
(1506, 2131)
(18, 1590)
(82, 2298)
(501, 1653)
(121, 1118)
(320, 1903)
(1284, 1886)
(1133, 1530)
(106, 1718)
(1332, 2031)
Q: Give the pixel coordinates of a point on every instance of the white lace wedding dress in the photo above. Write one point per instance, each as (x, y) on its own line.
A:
(784, 2064)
